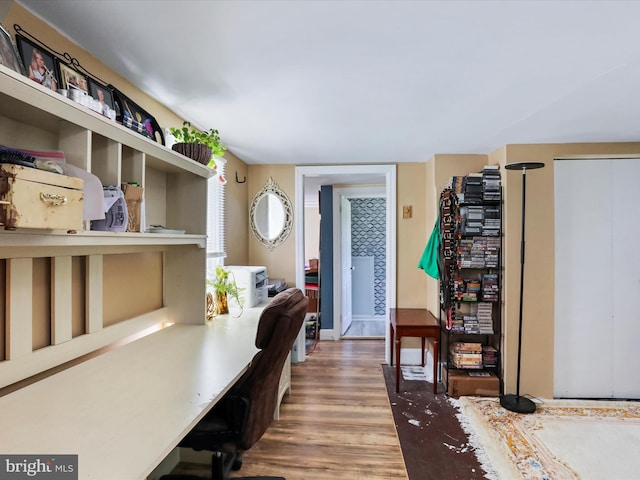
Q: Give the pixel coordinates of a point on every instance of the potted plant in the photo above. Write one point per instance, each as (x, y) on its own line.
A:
(224, 286)
(200, 146)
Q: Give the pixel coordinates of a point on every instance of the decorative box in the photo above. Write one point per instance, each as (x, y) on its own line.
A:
(32, 198)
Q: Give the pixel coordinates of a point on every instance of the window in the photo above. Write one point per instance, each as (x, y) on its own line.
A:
(215, 218)
(215, 213)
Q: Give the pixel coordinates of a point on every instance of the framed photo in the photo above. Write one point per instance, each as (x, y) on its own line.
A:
(132, 110)
(101, 93)
(71, 78)
(134, 117)
(39, 65)
(8, 53)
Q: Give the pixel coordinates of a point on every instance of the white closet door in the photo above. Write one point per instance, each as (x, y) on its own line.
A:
(583, 362)
(626, 278)
(597, 289)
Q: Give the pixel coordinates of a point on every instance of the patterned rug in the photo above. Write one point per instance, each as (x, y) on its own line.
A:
(562, 440)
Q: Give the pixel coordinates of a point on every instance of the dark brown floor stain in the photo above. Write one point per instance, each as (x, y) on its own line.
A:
(433, 443)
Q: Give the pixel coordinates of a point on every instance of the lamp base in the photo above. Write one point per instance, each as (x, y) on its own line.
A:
(517, 404)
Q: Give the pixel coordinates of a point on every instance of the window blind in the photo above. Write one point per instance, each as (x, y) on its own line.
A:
(215, 212)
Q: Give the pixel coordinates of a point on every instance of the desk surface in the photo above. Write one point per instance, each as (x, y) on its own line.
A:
(124, 411)
(409, 317)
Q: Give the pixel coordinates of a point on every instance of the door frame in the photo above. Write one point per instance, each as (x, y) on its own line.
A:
(338, 254)
(343, 260)
(388, 172)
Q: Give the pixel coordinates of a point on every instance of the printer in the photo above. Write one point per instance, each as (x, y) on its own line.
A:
(253, 282)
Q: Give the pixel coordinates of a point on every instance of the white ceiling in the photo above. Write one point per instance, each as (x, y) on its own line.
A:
(336, 82)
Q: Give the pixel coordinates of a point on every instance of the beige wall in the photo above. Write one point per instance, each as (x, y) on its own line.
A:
(418, 185)
(538, 303)
(281, 261)
(237, 211)
(411, 235)
(311, 232)
(51, 37)
(5, 5)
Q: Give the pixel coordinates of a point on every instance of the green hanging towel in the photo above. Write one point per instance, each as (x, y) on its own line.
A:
(429, 260)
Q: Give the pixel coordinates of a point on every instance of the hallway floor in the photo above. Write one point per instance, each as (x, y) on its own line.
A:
(368, 328)
(338, 424)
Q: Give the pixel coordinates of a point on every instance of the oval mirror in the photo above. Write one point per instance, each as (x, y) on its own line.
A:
(271, 215)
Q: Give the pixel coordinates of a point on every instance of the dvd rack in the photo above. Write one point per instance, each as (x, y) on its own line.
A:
(470, 283)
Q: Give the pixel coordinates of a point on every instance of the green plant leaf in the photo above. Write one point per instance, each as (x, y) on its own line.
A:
(189, 134)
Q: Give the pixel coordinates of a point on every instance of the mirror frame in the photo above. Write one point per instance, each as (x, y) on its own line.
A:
(272, 188)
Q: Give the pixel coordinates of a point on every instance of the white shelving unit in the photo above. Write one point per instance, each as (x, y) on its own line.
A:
(44, 301)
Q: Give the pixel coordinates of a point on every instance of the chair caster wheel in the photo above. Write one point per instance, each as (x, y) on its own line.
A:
(237, 464)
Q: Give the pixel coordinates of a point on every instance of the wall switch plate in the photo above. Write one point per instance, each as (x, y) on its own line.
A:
(406, 211)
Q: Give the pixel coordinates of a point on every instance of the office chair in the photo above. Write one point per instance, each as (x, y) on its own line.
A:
(242, 416)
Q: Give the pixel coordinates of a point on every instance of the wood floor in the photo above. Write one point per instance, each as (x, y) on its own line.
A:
(336, 425)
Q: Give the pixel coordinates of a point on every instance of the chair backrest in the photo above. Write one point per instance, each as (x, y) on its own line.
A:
(278, 328)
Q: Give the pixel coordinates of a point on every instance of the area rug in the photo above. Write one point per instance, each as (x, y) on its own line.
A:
(562, 440)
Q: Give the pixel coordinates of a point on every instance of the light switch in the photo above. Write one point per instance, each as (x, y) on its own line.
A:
(406, 211)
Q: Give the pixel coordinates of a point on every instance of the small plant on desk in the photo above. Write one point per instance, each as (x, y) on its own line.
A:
(224, 286)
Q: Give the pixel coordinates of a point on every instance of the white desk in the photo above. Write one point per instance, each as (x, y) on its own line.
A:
(123, 412)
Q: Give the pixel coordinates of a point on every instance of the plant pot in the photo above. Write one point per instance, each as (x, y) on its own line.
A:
(196, 151)
(222, 306)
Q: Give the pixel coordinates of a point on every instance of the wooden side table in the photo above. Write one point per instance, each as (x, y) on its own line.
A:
(414, 322)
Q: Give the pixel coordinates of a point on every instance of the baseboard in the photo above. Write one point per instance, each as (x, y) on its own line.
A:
(412, 356)
(370, 318)
(329, 334)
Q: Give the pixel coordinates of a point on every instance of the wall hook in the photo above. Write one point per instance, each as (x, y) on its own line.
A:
(240, 181)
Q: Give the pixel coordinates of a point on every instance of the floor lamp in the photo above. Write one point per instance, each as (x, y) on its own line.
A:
(516, 403)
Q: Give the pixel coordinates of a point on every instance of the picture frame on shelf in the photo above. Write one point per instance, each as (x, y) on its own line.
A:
(101, 93)
(135, 118)
(9, 56)
(72, 79)
(130, 109)
(39, 65)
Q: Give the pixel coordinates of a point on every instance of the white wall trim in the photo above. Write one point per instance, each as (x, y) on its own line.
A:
(411, 356)
(329, 334)
(347, 192)
(389, 173)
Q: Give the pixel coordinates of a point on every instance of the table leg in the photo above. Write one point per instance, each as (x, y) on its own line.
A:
(398, 340)
(423, 343)
(391, 340)
(435, 365)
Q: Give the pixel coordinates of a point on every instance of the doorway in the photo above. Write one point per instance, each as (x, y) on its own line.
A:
(308, 180)
(362, 251)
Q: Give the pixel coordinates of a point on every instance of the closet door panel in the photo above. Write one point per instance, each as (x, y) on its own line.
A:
(626, 278)
(583, 278)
